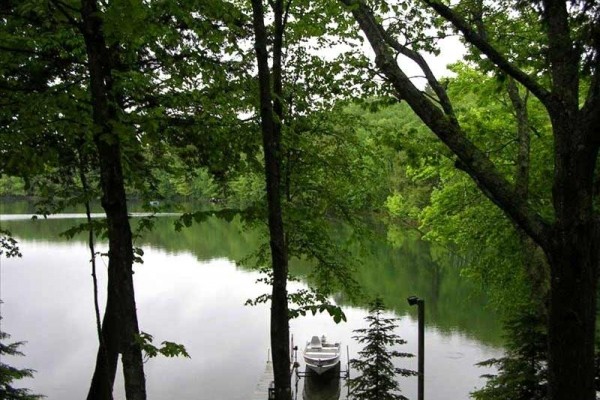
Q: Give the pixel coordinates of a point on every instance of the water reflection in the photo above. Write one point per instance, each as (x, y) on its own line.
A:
(414, 267)
(189, 291)
(322, 387)
(48, 303)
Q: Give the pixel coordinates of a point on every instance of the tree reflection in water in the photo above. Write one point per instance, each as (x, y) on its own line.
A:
(322, 387)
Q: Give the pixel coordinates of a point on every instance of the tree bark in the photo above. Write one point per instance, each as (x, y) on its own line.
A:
(120, 325)
(572, 317)
(573, 257)
(105, 379)
(271, 117)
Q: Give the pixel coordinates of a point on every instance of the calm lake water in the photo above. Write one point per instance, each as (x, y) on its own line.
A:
(191, 291)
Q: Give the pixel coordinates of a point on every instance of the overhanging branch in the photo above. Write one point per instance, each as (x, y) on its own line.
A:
(420, 61)
(470, 158)
(486, 48)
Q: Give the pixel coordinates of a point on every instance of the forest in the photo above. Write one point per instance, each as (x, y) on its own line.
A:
(298, 114)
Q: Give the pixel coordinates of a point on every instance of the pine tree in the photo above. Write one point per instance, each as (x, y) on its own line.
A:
(377, 379)
(9, 374)
(522, 372)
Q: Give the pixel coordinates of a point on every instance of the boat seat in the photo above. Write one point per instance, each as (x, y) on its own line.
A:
(315, 342)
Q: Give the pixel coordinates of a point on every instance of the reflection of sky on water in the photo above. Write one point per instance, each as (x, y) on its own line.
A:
(48, 303)
(450, 371)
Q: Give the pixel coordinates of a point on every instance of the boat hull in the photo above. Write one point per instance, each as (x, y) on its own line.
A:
(320, 365)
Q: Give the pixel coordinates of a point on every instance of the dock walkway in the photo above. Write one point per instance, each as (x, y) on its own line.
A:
(262, 388)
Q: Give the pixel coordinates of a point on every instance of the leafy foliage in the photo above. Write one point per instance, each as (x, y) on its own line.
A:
(302, 301)
(167, 349)
(8, 244)
(442, 203)
(378, 374)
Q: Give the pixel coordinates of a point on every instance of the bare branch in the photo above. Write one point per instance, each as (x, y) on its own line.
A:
(519, 105)
(420, 61)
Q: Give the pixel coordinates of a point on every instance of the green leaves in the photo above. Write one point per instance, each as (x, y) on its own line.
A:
(97, 225)
(9, 247)
(136, 13)
(522, 373)
(312, 301)
(167, 349)
(302, 301)
(187, 219)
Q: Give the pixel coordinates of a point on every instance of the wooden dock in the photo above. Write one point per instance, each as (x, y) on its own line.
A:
(262, 388)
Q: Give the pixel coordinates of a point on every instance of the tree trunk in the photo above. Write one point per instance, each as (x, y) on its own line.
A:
(271, 132)
(573, 257)
(534, 260)
(571, 328)
(106, 375)
(108, 356)
(120, 327)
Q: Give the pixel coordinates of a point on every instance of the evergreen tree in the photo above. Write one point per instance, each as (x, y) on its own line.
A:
(377, 378)
(9, 374)
(522, 372)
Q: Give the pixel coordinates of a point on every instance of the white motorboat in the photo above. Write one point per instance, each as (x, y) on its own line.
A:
(320, 355)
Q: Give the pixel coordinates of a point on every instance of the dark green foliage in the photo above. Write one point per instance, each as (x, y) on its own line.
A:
(8, 245)
(377, 380)
(167, 349)
(9, 374)
(522, 373)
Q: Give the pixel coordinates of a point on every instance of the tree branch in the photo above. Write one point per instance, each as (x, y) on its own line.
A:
(420, 61)
(60, 6)
(18, 50)
(523, 139)
(486, 48)
(470, 158)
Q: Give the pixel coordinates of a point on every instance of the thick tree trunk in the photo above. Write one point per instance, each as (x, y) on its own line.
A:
(573, 257)
(120, 255)
(571, 328)
(573, 252)
(280, 331)
(271, 132)
(120, 326)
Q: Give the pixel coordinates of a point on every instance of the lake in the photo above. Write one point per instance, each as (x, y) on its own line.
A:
(191, 290)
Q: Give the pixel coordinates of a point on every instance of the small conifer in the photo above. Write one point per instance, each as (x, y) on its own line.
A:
(9, 374)
(377, 379)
